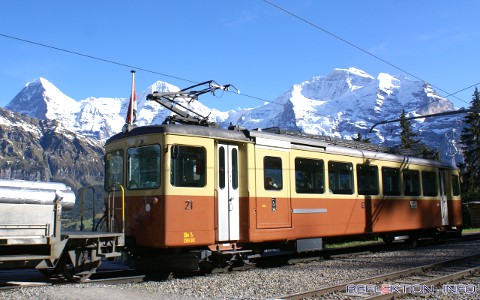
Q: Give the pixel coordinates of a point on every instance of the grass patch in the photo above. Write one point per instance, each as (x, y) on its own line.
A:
(350, 244)
(68, 224)
(471, 230)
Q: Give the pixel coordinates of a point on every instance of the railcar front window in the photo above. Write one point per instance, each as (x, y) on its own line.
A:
(455, 185)
(391, 181)
(113, 169)
(429, 183)
(309, 176)
(411, 183)
(273, 177)
(187, 166)
(144, 167)
(340, 176)
(367, 177)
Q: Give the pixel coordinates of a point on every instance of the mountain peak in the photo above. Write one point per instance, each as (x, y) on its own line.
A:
(41, 83)
(340, 104)
(354, 71)
(43, 100)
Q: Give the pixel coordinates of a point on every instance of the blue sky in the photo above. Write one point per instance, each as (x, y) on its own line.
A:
(251, 44)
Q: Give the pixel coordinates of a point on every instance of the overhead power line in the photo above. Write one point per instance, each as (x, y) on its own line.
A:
(118, 63)
(447, 113)
(357, 47)
(146, 70)
(94, 57)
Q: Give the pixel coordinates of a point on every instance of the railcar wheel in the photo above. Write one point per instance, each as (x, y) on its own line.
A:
(49, 273)
(388, 239)
(458, 232)
(206, 267)
(412, 242)
(272, 261)
(80, 272)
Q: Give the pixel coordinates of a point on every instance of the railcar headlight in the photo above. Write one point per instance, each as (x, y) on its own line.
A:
(148, 207)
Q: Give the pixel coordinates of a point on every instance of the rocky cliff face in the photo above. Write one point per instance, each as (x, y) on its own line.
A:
(33, 149)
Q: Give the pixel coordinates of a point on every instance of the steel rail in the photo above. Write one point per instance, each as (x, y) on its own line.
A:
(434, 282)
(391, 276)
(117, 280)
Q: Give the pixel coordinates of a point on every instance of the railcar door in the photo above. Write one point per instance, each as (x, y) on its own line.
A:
(227, 191)
(273, 188)
(443, 197)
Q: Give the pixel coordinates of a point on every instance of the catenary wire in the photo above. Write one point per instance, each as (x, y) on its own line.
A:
(94, 57)
(370, 54)
(468, 87)
(357, 47)
(147, 70)
(118, 63)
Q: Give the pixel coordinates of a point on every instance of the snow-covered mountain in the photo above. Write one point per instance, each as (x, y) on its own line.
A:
(95, 117)
(34, 149)
(340, 104)
(349, 101)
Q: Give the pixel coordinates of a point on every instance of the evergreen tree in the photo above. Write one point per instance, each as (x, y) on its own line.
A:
(407, 136)
(359, 138)
(409, 141)
(429, 153)
(471, 150)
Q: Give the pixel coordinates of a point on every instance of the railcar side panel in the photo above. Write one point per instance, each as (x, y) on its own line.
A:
(273, 205)
(404, 214)
(455, 215)
(146, 225)
(189, 189)
(189, 220)
(324, 197)
(327, 217)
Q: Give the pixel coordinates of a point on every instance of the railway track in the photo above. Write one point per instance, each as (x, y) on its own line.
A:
(419, 281)
(111, 273)
(112, 280)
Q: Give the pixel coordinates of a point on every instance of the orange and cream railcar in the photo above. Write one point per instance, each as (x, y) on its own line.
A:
(194, 193)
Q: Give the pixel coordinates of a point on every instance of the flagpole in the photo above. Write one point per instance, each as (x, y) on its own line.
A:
(132, 105)
(133, 99)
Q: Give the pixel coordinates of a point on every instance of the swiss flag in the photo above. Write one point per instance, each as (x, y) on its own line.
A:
(132, 106)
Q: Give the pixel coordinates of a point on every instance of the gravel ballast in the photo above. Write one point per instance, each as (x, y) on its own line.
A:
(261, 283)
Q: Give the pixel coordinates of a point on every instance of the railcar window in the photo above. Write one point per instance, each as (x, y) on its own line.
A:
(234, 169)
(143, 169)
(455, 185)
(187, 166)
(391, 181)
(113, 169)
(411, 183)
(429, 183)
(221, 168)
(340, 176)
(309, 176)
(367, 177)
(272, 173)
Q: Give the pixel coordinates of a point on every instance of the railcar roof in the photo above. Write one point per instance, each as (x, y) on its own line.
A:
(336, 146)
(193, 130)
(348, 148)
